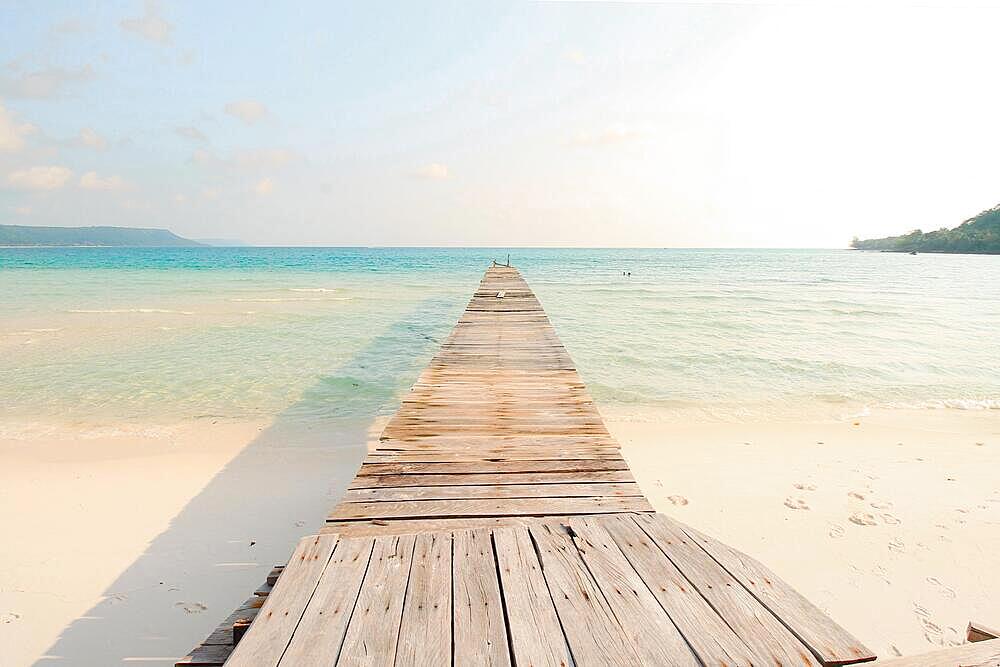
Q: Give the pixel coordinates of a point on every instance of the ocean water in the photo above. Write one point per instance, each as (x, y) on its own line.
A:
(319, 335)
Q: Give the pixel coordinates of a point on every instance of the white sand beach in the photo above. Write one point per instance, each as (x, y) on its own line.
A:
(130, 544)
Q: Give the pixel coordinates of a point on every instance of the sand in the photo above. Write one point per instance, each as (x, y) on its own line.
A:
(127, 544)
(890, 524)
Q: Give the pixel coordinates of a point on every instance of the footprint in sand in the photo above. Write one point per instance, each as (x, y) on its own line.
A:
(932, 631)
(897, 545)
(117, 598)
(804, 487)
(890, 519)
(9, 617)
(881, 573)
(946, 591)
(836, 531)
(895, 651)
(299, 524)
(881, 505)
(680, 501)
(856, 494)
(862, 519)
(191, 607)
(796, 503)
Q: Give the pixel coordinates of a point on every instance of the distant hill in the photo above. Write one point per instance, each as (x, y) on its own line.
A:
(978, 235)
(22, 235)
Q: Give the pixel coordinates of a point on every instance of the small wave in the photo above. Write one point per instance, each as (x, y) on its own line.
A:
(131, 310)
(948, 404)
(312, 289)
(31, 332)
(289, 299)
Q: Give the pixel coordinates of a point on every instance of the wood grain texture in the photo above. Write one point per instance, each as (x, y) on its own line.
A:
(425, 632)
(761, 630)
(703, 628)
(373, 631)
(827, 640)
(279, 616)
(319, 636)
(653, 633)
(535, 632)
(480, 631)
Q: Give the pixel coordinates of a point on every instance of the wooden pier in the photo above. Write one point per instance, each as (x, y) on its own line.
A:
(497, 523)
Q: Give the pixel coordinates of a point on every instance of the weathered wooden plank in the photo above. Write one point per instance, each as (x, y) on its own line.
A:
(480, 632)
(425, 630)
(536, 638)
(280, 614)
(418, 526)
(494, 491)
(373, 630)
(480, 507)
(469, 479)
(594, 633)
(657, 639)
(978, 654)
(320, 633)
(761, 630)
(710, 637)
(492, 467)
(831, 643)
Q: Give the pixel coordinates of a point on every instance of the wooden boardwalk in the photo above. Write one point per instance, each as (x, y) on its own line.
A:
(497, 523)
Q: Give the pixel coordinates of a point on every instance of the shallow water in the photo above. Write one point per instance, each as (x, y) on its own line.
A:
(96, 335)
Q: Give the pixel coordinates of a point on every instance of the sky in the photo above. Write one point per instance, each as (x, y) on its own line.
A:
(503, 124)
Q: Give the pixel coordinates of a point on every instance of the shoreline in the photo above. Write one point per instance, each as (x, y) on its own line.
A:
(140, 538)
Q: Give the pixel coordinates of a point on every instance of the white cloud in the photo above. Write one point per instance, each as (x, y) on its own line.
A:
(70, 26)
(91, 139)
(150, 26)
(12, 132)
(265, 186)
(612, 135)
(266, 158)
(249, 111)
(44, 83)
(39, 178)
(92, 181)
(434, 171)
(191, 132)
(262, 159)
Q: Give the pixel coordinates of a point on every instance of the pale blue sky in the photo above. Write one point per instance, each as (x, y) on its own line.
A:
(383, 123)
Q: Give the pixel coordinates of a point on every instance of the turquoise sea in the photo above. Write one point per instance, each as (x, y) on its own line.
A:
(96, 335)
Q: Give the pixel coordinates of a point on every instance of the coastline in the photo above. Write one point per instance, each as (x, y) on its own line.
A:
(900, 507)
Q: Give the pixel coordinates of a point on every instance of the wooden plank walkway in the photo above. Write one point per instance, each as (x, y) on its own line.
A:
(497, 523)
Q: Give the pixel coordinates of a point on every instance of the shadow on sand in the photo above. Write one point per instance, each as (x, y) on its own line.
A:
(219, 548)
